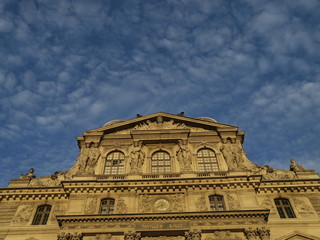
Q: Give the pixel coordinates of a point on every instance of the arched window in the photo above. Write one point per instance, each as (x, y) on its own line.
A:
(107, 206)
(42, 215)
(284, 208)
(160, 162)
(207, 160)
(114, 163)
(216, 203)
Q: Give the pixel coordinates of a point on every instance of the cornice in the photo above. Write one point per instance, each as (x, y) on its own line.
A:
(146, 217)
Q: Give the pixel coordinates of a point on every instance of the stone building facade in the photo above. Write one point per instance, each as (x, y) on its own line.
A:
(161, 177)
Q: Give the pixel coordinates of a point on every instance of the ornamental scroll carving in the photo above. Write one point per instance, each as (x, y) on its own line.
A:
(201, 204)
(233, 202)
(160, 124)
(145, 203)
(58, 209)
(91, 206)
(178, 202)
(23, 215)
(302, 206)
(121, 207)
(222, 235)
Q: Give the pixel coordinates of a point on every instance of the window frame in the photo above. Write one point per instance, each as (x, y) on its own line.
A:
(116, 166)
(157, 163)
(207, 163)
(216, 201)
(284, 208)
(41, 217)
(108, 208)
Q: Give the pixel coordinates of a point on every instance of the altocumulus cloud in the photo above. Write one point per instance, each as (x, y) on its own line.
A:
(71, 66)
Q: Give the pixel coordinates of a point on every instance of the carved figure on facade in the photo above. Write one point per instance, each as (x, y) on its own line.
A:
(160, 124)
(121, 207)
(47, 181)
(29, 175)
(278, 174)
(296, 167)
(201, 204)
(137, 157)
(23, 215)
(193, 235)
(91, 206)
(145, 203)
(184, 156)
(103, 236)
(88, 158)
(132, 236)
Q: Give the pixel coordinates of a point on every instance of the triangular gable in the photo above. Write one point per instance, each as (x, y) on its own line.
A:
(296, 235)
(166, 116)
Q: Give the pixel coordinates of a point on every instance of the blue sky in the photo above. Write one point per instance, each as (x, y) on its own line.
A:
(70, 66)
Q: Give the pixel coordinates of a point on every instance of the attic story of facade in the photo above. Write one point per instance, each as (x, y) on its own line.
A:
(161, 177)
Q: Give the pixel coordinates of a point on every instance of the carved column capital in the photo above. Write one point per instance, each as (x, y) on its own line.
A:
(132, 236)
(251, 233)
(193, 235)
(264, 233)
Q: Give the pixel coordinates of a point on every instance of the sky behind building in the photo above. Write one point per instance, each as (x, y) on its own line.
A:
(70, 66)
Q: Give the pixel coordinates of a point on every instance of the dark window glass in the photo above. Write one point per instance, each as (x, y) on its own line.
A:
(107, 206)
(160, 162)
(216, 203)
(114, 163)
(284, 208)
(42, 215)
(207, 160)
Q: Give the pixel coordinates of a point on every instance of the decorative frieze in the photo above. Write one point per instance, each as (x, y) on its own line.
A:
(23, 215)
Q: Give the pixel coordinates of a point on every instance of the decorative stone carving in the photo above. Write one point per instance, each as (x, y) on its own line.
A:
(277, 174)
(136, 157)
(23, 215)
(250, 233)
(76, 236)
(29, 175)
(302, 206)
(87, 159)
(58, 209)
(193, 235)
(145, 204)
(184, 156)
(233, 202)
(121, 207)
(63, 236)
(201, 204)
(233, 155)
(178, 202)
(103, 236)
(69, 236)
(296, 167)
(222, 235)
(132, 236)
(160, 124)
(163, 238)
(51, 181)
(91, 206)
(264, 233)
